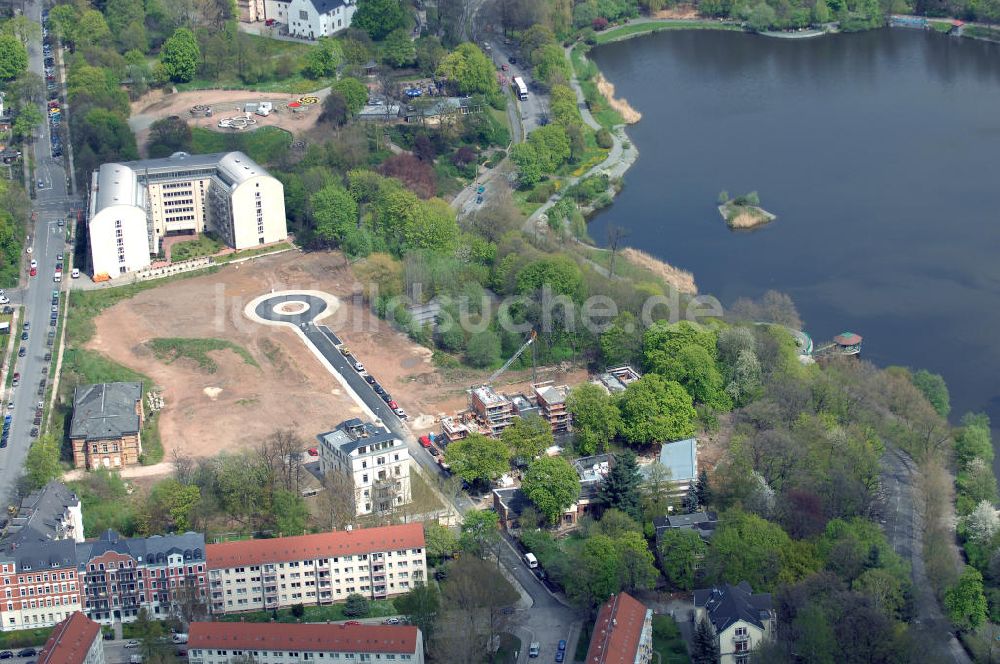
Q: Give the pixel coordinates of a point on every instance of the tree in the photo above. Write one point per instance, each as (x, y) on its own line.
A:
(379, 17)
(965, 601)
(335, 110)
(334, 212)
(597, 572)
(620, 488)
(420, 606)
(398, 49)
(483, 349)
(559, 273)
(884, 589)
(621, 343)
(480, 532)
(324, 58)
(636, 564)
(680, 554)
(468, 70)
(354, 91)
(170, 506)
(703, 490)
(973, 441)
(935, 389)
(180, 55)
(439, 541)
(529, 169)
(475, 594)
(746, 378)
(527, 437)
(13, 57)
(983, 522)
(298, 610)
(552, 484)
(705, 648)
(663, 341)
(596, 420)
(167, 136)
(695, 369)
(42, 463)
(356, 606)
(91, 29)
(336, 501)
(290, 512)
(552, 146)
(655, 410)
(126, 20)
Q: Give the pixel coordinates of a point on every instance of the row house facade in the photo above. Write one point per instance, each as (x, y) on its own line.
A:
(160, 574)
(41, 586)
(315, 569)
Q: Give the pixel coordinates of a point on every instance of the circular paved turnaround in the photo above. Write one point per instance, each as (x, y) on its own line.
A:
(291, 307)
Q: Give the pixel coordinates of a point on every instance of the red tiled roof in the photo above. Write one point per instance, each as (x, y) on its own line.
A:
(617, 631)
(70, 641)
(308, 547)
(400, 639)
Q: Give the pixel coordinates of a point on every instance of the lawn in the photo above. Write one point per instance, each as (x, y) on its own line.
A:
(941, 26)
(264, 145)
(202, 246)
(585, 71)
(378, 609)
(667, 641)
(24, 638)
(169, 350)
(632, 29)
(981, 32)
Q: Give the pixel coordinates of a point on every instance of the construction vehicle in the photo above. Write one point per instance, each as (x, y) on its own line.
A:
(513, 358)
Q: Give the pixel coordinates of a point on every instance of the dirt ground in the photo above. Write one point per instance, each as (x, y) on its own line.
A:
(681, 11)
(159, 104)
(239, 404)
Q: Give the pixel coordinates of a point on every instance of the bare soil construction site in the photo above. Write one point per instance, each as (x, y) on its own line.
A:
(235, 404)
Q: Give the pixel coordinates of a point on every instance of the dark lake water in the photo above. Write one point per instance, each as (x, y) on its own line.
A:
(880, 154)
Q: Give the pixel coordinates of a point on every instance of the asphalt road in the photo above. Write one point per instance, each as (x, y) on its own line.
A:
(535, 108)
(326, 341)
(47, 240)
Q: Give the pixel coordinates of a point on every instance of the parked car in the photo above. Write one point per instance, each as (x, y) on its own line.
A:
(434, 451)
(313, 451)
(27, 325)
(33, 272)
(359, 367)
(400, 413)
(393, 405)
(24, 335)
(48, 357)
(560, 656)
(132, 644)
(27, 652)
(425, 441)
(370, 379)
(379, 390)
(391, 621)
(6, 654)
(22, 351)
(386, 397)
(353, 622)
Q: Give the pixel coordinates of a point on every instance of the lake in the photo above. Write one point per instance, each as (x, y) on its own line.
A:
(880, 154)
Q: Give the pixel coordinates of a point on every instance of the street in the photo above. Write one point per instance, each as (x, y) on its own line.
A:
(47, 240)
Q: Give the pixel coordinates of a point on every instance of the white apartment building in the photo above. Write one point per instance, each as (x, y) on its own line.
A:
(272, 643)
(75, 640)
(375, 458)
(315, 569)
(311, 19)
(134, 205)
(740, 619)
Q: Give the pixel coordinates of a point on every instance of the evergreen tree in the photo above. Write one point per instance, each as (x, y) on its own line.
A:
(703, 492)
(705, 649)
(620, 488)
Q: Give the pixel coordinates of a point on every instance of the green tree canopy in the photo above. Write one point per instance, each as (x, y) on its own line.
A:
(552, 484)
(663, 342)
(334, 212)
(354, 91)
(324, 58)
(440, 541)
(13, 57)
(478, 458)
(933, 387)
(42, 463)
(180, 55)
(552, 146)
(469, 70)
(681, 551)
(420, 606)
(480, 532)
(528, 436)
(965, 601)
(379, 17)
(559, 273)
(620, 487)
(655, 410)
(398, 50)
(596, 420)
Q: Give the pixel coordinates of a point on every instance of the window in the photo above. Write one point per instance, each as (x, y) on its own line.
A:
(303, 15)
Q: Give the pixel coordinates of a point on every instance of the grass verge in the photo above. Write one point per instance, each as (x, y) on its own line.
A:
(202, 246)
(250, 253)
(378, 609)
(24, 638)
(633, 29)
(667, 641)
(171, 349)
(264, 145)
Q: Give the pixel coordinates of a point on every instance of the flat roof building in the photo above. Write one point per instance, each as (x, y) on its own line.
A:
(134, 205)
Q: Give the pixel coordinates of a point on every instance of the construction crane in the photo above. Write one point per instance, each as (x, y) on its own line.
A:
(513, 358)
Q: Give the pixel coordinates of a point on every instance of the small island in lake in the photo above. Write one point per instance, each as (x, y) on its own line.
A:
(743, 211)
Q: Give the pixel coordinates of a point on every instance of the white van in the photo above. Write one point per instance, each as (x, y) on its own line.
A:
(75, 274)
(531, 560)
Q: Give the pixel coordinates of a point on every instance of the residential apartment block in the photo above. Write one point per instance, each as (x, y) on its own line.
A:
(271, 643)
(105, 431)
(376, 460)
(40, 583)
(551, 400)
(492, 409)
(134, 205)
(740, 619)
(623, 633)
(315, 569)
(75, 640)
(159, 573)
(51, 513)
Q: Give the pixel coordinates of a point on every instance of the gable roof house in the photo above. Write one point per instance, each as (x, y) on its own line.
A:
(51, 513)
(623, 633)
(312, 19)
(739, 618)
(107, 419)
(703, 523)
(75, 640)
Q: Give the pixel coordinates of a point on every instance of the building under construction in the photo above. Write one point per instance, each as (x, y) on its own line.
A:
(551, 400)
(492, 410)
